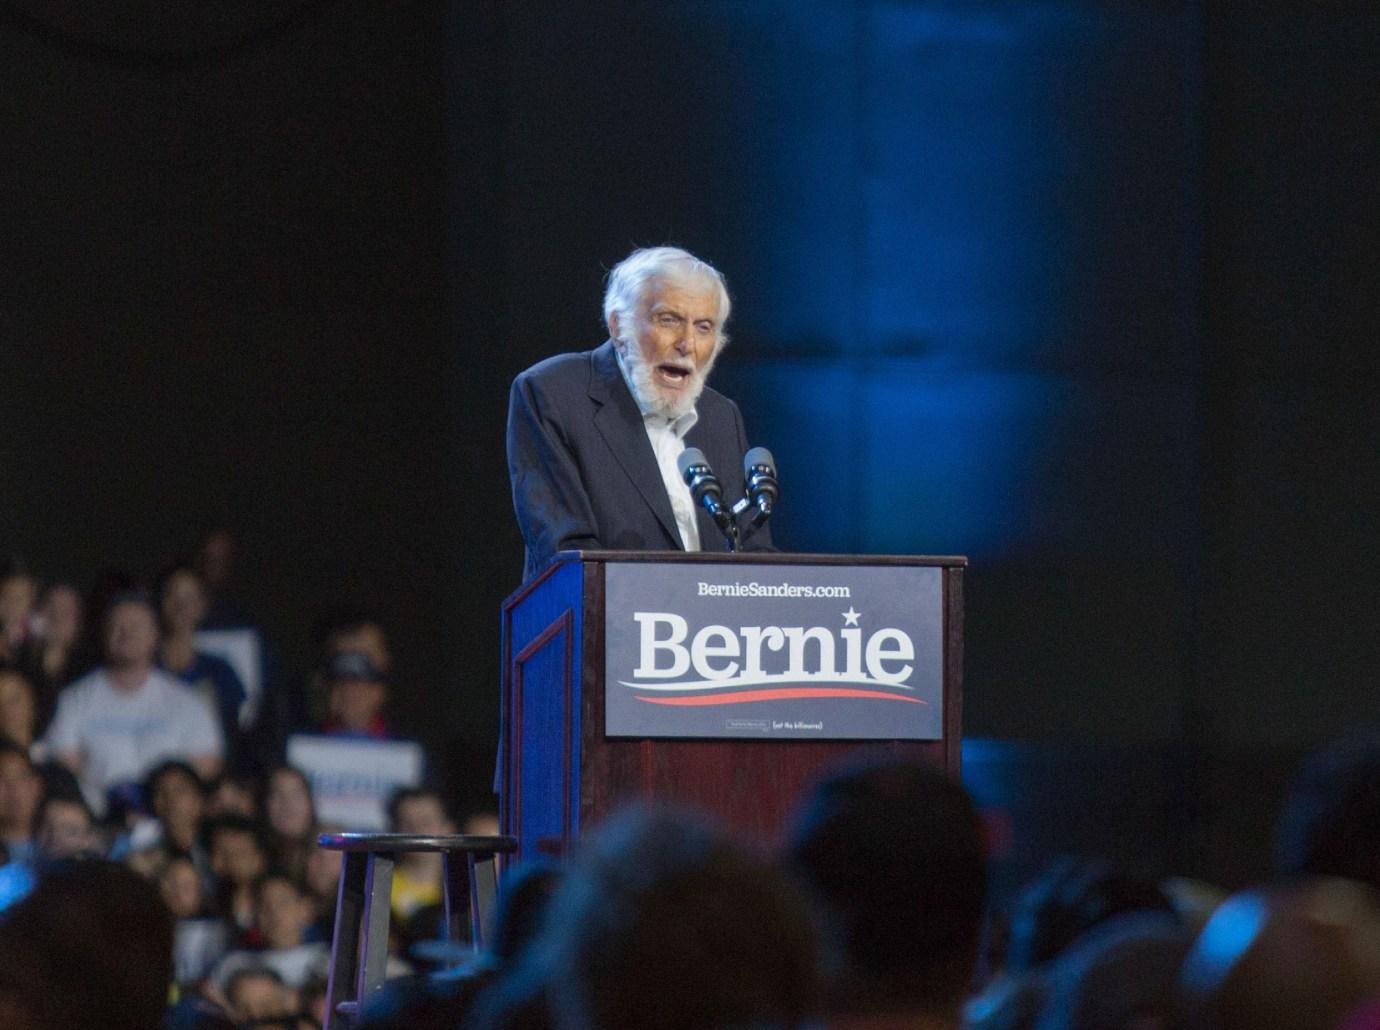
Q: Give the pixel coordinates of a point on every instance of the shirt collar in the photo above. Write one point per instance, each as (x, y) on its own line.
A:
(678, 426)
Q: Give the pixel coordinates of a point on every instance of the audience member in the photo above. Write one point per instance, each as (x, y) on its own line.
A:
(663, 923)
(418, 877)
(323, 883)
(441, 1001)
(182, 889)
(357, 691)
(282, 913)
(344, 631)
(1120, 975)
(290, 812)
(356, 632)
(20, 792)
(57, 779)
(117, 722)
(1194, 900)
(183, 604)
(64, 827)
(1300, 957)
(234, 792)
(239, 856)
(311, 1000)
(1330, 821)
(177, 797)
(1069, 899)
(199, 939)
(55, 656)
(1008, 1003)
(91, 948)
(18, 709)
(22, 797)
(523, 903)
(481, 824)
(892, 853)
(141, 850)
(17, 590)
(257, 994)
(215, 564)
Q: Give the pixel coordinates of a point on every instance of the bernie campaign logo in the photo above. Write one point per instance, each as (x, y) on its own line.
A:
(722, 665)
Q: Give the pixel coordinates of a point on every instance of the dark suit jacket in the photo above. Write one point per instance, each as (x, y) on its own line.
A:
(583, 471)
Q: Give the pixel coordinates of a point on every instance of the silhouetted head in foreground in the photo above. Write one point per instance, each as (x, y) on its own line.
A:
(1121, 975)
(1330, 822)
(90, 947)
(1291, 958)
(1068, 900)
(893, 854)
(663, 923)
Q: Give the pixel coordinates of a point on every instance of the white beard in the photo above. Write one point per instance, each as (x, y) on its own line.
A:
(649, 397)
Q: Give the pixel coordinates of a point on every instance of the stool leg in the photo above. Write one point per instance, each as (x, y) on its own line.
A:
(483, 897)
(455, 871)
(349, 908)
(373, 959)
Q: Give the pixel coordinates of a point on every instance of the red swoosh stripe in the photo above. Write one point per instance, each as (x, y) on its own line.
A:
(743, 696)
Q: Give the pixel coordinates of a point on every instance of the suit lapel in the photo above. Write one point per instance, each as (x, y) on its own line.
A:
(620, 424)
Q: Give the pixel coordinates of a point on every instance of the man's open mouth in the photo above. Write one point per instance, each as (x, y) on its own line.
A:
(674, 375)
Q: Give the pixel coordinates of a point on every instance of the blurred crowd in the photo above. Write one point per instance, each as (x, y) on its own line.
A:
(112, 670)
(125, 743)
(160, 866)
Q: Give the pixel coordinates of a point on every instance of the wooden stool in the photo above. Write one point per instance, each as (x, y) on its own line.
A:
(359, 951)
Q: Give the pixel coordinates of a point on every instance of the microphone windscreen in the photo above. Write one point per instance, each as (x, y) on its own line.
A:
(758, 456)
(688, 459)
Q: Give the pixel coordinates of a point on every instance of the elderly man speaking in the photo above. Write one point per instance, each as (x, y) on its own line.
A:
(594, 437)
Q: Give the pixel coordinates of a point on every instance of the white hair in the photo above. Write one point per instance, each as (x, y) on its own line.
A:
(629, 278)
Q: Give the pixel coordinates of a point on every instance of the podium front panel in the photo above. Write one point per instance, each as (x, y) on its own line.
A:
(555, 670)
(809, 652)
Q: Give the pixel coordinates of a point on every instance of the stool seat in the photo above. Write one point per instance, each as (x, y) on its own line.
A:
(359, 949)
(401, 842)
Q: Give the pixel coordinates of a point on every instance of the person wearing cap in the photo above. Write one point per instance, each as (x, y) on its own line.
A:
(594, 437)
(357, 691)
(116, 723)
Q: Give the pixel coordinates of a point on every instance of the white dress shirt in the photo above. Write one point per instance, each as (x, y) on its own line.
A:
(667, 437)
(668, 442)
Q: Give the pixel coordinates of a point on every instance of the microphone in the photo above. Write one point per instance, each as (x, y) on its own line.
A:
(706, 491)
(759, 472)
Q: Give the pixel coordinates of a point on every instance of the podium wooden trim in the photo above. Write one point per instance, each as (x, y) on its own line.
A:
(553, 675)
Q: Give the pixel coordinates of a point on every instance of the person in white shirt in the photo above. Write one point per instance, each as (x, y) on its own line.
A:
(114, 724)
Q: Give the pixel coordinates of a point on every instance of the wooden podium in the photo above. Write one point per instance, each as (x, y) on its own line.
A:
(559, 773)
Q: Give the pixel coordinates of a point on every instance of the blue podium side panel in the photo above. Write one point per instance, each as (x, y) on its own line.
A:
(542, 714)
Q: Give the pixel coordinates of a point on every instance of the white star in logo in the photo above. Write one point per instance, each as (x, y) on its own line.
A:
(850, 617)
